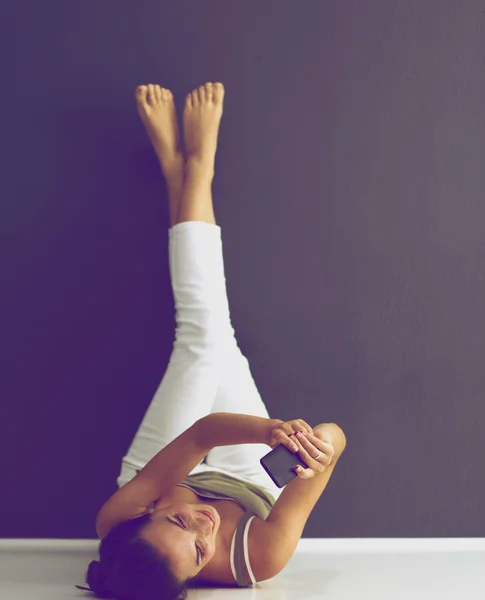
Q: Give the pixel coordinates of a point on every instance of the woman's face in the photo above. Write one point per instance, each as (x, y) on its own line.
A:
(184, 535)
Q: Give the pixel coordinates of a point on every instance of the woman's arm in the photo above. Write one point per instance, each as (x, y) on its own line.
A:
(280, 533)
(176, 460)
(229, 429)
(157, 479)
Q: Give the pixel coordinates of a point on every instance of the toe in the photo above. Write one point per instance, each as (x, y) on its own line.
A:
(151, 93)
(218, 91)
(209, 91)
(141, 92)
(166, 95)
(158, 93)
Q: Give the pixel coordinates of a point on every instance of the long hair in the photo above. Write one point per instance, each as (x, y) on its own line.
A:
(130, 568)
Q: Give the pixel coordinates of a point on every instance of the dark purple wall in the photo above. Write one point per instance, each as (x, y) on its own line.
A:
(349, 188)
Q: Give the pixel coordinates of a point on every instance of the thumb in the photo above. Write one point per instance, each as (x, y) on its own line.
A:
(304, 473)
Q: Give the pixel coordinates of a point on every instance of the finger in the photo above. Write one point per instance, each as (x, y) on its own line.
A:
(304, 473)
(282, 437)
(290, 443)
(294, 443)
(324, 446)
(307, 427)
(308, 449)
(300, 425)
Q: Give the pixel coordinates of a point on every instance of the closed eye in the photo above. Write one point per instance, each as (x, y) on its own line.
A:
(197, 548)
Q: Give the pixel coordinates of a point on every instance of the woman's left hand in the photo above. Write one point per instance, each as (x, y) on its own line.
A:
(315, 452)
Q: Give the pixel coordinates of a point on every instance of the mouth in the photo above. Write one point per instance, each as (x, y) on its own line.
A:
(207, 514)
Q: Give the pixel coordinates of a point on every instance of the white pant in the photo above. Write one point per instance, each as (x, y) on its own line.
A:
(207, 372)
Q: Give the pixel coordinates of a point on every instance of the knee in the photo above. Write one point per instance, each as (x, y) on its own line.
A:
(333, 433)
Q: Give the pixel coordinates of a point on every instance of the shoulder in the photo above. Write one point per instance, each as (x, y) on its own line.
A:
(219, 570)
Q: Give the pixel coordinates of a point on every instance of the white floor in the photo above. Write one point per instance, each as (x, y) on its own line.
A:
(349, 569)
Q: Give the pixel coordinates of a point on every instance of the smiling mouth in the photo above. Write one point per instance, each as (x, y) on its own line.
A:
(209, 516)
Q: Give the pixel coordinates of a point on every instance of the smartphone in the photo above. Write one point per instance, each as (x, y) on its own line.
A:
(280, 465)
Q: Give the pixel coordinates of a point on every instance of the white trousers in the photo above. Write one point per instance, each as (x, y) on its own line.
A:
(207, 371)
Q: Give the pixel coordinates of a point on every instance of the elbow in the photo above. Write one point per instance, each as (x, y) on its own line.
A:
(333, 433)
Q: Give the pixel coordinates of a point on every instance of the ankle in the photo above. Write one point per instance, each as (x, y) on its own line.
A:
(197, 167)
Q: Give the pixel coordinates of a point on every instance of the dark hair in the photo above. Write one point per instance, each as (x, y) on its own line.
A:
(130, 568)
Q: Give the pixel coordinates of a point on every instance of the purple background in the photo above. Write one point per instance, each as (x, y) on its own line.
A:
(349, 188)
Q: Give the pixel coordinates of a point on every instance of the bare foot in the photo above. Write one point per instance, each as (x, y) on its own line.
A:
(202, 117)
(156, 108)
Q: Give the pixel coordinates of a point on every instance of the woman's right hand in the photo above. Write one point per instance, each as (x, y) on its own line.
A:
(308, 446)
(279, 433)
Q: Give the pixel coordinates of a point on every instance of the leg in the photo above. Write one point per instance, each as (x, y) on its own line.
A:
(196, 198)
(189, 189)
(202, 115)
(175, 186)
(190, 198)
(156, 108)
(189, 386)
(238, 393)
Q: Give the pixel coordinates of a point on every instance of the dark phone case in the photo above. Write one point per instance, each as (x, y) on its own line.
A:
(280, 465)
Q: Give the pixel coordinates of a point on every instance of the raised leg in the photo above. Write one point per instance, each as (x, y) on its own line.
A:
(157, 111)
(202, 117)
(196, 198)
(188, 388)
(175, 179)
(189, 181)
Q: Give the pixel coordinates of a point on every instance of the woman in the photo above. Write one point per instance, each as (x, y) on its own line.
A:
(191, 483)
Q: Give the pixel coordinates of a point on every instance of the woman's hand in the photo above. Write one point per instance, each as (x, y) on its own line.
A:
(279, 433)
(308, 446)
